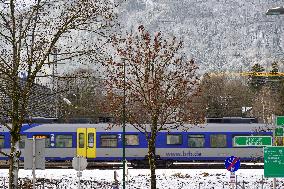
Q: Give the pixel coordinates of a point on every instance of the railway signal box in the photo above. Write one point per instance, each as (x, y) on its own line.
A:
(37, 149)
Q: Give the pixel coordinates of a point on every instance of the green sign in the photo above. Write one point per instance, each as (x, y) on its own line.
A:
(280, 120)
(252, 141)
(279, 131)
(274, 161)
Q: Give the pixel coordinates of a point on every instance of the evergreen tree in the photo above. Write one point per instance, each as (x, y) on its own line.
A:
(274, 81)
(275, 68)
(255, 81)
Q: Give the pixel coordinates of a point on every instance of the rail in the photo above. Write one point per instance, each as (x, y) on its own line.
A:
(119, 165)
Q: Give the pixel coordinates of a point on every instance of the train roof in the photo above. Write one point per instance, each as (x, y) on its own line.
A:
(234, 120)
(102, 127)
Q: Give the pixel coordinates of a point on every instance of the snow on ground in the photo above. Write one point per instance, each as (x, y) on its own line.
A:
(139, 179)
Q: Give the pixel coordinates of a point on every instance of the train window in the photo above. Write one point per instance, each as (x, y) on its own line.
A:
(46, 139)
(174, 139)
(81, 140)
(63, 141)
(47, 142)
(1, 141)
(196, 141)
(90, 140)
(218, 140)
(22, 141)
(109, 141)
(131, 140)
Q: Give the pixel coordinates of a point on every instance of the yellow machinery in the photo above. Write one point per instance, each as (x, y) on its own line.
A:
(260, 74)
(264, 74)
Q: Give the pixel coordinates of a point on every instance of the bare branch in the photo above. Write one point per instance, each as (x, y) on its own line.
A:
(29, 19)
(5, 125)
(4, 154)
(157, 79)
(5, 62)
(6, 22)
(6, 37)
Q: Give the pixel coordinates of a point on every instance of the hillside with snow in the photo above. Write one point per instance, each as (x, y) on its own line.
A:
(229, 35)
(219, 34)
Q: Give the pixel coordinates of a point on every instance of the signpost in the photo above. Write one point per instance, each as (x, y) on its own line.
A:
(279, 126)
(279, 132)
(23, 74)
(232, 164)
(252, 141)
(280, 121)
(79, 164)
(274, 155)
(274, 161)
(232, 178)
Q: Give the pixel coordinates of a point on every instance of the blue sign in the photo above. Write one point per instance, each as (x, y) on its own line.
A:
(23, 74)
(232, 163)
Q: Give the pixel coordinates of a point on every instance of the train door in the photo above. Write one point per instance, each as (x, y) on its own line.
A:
(86, 142)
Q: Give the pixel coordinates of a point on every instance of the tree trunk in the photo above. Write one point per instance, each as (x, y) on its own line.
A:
(152, 162)
(14, 163)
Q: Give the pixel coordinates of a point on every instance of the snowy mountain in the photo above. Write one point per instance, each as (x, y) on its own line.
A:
(219, 34)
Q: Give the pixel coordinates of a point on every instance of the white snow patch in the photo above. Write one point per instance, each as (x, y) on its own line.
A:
(137, 178)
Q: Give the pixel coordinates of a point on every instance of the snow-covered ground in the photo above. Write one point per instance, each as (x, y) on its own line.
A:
(139, 178)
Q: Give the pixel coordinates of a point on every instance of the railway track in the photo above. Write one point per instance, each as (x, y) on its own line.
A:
(118, 165)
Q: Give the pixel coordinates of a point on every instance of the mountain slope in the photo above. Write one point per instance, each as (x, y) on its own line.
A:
(219, 34)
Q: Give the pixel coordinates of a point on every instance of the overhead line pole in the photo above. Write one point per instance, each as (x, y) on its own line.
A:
(124, 117)
(275, 11)
(55, 82)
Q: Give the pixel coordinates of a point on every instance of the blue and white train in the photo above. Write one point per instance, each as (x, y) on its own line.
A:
(99, 142)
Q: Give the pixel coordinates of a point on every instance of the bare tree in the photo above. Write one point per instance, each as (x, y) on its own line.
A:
(222, 96)
(158, 84)
(281, 97)
(265, 103)
(30, 31)
(81, 94)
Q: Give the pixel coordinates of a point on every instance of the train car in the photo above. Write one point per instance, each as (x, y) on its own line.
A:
(99, 142)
